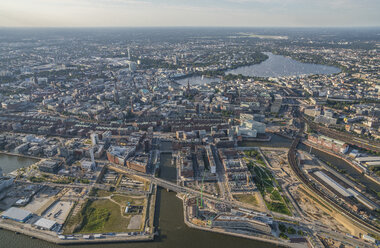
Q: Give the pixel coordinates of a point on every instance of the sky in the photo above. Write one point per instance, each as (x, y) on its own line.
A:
(221, 13)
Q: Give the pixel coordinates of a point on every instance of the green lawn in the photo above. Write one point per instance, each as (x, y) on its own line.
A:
(278, 207)
(102, 193)
(247, 198)
(275, 196)
(123, 200)
(103, 216)
(265, 184)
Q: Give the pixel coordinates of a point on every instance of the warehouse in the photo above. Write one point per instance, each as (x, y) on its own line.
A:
(16, 214)
(374, 163)
(45, 224)
(367, 159)
(363, 200)
(329, 143)
(336, 186)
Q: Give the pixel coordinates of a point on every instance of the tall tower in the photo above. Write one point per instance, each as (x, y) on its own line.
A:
(116, 93)
(132, 110)
(188, 90)
(93, 163)
(129, 54)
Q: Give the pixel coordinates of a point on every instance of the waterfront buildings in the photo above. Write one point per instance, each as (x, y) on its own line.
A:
(16, 214)
(99, 119)
(329, 143)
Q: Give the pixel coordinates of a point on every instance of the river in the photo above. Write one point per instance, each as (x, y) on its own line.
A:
(10, 163)
(169, 219)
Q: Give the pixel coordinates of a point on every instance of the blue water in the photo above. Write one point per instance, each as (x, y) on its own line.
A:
(281, 66)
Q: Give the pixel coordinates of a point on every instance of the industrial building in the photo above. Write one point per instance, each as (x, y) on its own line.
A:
(363, 200)
(241, 223)
(367, 161)
(50, 166)
(119, 155)
(138, 163)
(329, 143)
(333, 184)
(45, 224)
(369, 239)
(16, 214)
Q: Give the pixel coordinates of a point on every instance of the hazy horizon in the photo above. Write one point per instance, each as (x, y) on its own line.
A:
(232, 27)
(197, 13)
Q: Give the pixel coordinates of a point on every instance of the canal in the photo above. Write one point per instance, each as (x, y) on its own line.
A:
(169, 219)
(10, 163)
(276, 141)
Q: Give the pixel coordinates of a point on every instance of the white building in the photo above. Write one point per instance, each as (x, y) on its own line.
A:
(94, 138)
(45, 224)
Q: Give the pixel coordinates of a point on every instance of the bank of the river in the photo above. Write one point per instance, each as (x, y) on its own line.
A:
(173, 232)
(20, 155)
(10, 162)
(276, 141)
(261, 238)
(52, 238)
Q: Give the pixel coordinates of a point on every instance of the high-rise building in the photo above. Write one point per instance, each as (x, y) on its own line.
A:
(132, 66)
(94, 138)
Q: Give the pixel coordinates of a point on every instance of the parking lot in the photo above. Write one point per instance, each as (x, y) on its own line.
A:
(59, 211)
(40, 199)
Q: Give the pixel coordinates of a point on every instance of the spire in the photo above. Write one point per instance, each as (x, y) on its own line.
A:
(132, 110)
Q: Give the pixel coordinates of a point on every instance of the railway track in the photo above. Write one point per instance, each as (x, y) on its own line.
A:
(294, 166)
(346, 137)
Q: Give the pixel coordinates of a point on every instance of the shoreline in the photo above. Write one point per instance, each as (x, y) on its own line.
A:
(43, 235)
(20, 155)
(240, 235)
(78, 239)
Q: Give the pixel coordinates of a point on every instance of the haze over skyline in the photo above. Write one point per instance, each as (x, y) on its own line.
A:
(136, 13)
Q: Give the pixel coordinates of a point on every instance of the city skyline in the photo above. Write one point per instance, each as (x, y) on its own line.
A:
(152, 13)
(189, 136)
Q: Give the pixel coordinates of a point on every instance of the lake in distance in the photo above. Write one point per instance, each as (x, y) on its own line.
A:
(281, 66)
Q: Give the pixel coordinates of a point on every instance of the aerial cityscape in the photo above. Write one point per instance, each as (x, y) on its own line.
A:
(189, 136)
